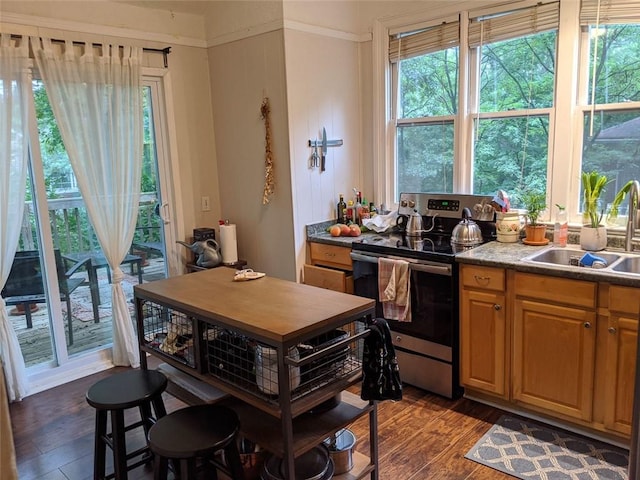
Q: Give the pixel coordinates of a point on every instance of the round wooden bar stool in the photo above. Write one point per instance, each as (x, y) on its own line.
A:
(112, 396)
(192, 433)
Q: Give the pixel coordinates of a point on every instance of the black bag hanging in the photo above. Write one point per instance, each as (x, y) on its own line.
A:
(380, 371)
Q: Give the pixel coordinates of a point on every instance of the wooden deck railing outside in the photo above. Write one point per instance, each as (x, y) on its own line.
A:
(72, 231)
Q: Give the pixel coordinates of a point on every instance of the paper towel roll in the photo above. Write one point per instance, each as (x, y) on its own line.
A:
(229, 244)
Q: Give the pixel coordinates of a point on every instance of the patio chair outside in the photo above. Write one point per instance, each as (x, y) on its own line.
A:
(25, 284)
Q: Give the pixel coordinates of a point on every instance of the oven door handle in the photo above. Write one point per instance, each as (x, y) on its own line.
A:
(443, 269)
(435, 269)
(357, 257)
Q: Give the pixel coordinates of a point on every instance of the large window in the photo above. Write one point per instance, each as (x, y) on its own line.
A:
(610, 100)
(543, 93)
(511, 119)
(426, 68)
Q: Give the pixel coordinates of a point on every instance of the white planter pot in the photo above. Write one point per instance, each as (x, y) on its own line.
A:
(593, 239)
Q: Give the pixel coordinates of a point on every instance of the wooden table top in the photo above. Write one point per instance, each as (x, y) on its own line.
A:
(278, 310)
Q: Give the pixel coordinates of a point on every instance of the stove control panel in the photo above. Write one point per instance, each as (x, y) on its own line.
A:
(440, 204)
(446, 205)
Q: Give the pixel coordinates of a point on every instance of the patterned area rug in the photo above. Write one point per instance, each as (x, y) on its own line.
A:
(528, 450)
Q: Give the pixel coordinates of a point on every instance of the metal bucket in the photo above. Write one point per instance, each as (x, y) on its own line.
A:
(316, 464)
(341, 450)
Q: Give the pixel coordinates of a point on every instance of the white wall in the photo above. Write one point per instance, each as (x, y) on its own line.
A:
(242, 73)
(323, 90)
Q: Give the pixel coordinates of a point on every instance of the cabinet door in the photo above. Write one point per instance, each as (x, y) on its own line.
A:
(483, 341)
(620, 367)
(553, 357)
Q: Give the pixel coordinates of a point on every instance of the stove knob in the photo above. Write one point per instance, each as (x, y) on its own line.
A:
(403, 203)
(412, 204)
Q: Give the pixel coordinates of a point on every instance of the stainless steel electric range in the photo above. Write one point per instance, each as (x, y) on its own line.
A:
(427, 347)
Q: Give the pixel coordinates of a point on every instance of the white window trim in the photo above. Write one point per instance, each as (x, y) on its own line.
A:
(168, 162)
(563, 156)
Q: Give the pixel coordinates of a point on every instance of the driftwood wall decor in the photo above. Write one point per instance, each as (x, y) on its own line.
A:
(269, 180)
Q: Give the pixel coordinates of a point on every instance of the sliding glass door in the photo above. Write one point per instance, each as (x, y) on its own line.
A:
(59, 291)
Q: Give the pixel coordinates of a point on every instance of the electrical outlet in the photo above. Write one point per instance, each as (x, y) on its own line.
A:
(206, 206)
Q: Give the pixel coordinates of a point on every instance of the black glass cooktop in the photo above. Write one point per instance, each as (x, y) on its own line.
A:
(436, 247)
(434, 244)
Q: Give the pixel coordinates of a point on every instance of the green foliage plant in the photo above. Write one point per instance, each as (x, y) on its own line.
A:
(593, 185)
(534, 201)
(619, 198)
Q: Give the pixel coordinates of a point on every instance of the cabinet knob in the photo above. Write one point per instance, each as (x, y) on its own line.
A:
(612, 330)
(587, 324)
(398, 338)
(497, 307)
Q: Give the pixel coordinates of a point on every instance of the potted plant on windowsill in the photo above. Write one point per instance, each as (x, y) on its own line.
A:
(534, 202)
(593, 235)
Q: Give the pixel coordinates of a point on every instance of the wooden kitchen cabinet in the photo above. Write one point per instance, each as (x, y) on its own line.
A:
(554, 340)
(620, 357)
(483, 329)
(330, 267)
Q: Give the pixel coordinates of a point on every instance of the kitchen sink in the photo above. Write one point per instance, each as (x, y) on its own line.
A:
(628, 265)
(563, 256)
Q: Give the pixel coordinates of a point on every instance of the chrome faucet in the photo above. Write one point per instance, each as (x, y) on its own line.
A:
(632, 221)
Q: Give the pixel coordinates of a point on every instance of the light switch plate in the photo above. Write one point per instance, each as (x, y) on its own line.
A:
(206, 206)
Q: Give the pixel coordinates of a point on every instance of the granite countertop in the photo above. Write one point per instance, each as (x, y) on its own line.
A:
(502, 255)
(318, 233)
(510, 255)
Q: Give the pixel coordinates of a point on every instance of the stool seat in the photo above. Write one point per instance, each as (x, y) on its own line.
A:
(111, 396)
(193, 432)
(126, 390)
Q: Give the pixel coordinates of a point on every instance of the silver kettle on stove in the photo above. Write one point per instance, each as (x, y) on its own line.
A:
(410, 225)
(466, 234)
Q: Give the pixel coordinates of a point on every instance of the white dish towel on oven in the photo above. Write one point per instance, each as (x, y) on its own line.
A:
(394, 289)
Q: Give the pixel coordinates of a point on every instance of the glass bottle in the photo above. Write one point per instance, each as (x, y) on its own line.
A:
(348, 217)
(357, 210)
(560, 227)
(341, 207)
(373, 211)
(364, 213)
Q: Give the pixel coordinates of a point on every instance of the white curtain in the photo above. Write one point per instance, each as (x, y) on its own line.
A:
(15, 88)
(97, 102)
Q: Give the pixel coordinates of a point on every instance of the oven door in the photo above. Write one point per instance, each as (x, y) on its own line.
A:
(433, 297)
(427, 346)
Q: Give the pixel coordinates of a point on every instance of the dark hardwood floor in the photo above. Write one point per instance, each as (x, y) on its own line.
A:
(422, 437)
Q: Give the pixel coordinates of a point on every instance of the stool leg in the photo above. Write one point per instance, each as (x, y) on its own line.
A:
(100, 448)
(232, 458)
(158, 407)
(187, 468)
(160, 468)
(119, 445)
(147, 418)
(147, 423)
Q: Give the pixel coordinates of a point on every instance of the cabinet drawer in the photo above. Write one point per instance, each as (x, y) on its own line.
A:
(624, 299)
(337, 280)
(487, 278)
(578, 293)
(330, 255)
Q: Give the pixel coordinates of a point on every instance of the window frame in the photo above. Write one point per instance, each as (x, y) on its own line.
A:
(565, 117)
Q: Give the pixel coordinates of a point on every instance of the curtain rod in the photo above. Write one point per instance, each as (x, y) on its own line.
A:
(164, 51)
